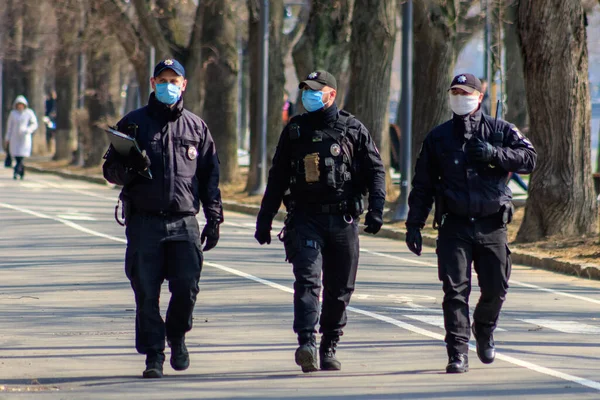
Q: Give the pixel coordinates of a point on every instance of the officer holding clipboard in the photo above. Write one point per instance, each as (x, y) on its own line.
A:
(165, 158)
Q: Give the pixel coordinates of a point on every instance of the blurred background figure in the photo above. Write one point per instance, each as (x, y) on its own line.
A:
(50, 118)
(20, 127)
(288, 110)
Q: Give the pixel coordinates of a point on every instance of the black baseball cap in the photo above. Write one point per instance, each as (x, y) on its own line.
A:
(467, 82)
(317, 80)
(169, 63)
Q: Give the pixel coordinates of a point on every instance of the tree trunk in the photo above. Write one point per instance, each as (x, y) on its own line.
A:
(561, 196)
(67, 14)
(325, 43)
(35, 64)
(220, 58)
(516, 107)
(12, 77)
(104, 60)
(369, 89)
(278, 47)
(434, 60)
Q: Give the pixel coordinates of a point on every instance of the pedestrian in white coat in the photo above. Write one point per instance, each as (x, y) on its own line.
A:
(20, 127)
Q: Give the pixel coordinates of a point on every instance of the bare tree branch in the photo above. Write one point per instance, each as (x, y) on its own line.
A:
(293, 36)
(153, 30)
(130, 38)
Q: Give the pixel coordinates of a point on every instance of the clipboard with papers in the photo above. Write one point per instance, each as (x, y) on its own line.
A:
(123, 144)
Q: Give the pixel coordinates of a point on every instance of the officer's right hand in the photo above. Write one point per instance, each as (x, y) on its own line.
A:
(414, 240)
(137, 161)
(263, 236)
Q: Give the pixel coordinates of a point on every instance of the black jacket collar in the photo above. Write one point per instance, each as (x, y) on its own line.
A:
(162, 111)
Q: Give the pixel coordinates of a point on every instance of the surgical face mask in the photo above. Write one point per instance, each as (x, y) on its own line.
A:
(463, 105)
(167, 93)
(312, 100)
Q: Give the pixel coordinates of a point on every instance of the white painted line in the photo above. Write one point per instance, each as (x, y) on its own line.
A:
(557, 292)
(403, 259)
(78, 191)
(76, 217)
(411, 328)
(572, 327)
(435, 320)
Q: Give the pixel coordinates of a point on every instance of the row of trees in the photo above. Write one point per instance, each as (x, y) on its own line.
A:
(544, 43)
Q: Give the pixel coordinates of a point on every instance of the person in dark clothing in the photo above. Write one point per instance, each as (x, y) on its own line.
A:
(325, 161)
(464, 165)
(163, 236)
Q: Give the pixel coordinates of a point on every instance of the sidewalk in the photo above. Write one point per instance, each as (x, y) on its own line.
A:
(519, 256)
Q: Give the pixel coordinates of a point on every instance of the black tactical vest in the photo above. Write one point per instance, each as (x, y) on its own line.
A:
(321, 162)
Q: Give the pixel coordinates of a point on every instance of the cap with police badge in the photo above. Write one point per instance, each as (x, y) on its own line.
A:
(317, 80)
(171, 64)
(467, 82)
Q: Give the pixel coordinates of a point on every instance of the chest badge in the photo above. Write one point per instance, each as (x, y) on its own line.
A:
(335, 150)
(192, 153)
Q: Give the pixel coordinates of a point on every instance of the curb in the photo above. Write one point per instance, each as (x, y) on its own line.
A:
(522, 257)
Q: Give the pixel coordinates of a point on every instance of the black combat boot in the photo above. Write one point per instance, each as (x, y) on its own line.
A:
(457, 364)
(486, 350)
(327, 354)
(180, 358)
(154, 366)
(306, 354)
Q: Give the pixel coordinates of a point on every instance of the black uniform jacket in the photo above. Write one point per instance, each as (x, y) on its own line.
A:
(467, 189)
(368, 173)
(184, 162)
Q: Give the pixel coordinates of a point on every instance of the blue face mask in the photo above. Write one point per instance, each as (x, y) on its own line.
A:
(167, 93)
(312, 100)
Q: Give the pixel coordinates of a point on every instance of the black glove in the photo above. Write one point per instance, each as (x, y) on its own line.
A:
(414, 241)
(263, 232)
(479, 151)
(373, 221)
(210, 234)
(137, 161)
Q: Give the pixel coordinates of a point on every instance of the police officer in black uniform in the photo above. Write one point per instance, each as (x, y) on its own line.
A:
(163, 237)
(325, 160)
(464, 165)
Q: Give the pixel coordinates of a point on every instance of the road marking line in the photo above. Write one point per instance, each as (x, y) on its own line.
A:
(543, 289)
(565, 326)
(403, 259)
(436, 320)
(411, 328)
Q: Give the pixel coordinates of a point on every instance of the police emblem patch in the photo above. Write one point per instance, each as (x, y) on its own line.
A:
(313, 75)
(168, 62)
(335, 150)
(192, 153)
(462, 79)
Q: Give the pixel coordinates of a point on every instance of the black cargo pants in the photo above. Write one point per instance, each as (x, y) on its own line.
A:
(482, 242)
(323, 244)
(159, 248)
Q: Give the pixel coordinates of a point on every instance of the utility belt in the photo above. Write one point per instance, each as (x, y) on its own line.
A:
(353, 207)
(124, 210)
(505, 215)
(164, 214)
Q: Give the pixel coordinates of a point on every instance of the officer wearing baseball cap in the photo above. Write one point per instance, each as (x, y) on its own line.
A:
(163, 236)
(327, 159)
(463, 166)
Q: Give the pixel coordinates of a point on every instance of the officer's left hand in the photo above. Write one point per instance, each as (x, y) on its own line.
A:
(480, 151)
(373, 221)
(210, 234)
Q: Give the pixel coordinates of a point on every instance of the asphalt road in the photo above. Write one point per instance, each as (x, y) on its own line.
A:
(67, 315)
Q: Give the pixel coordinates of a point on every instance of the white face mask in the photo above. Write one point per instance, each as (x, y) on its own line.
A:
(462, 105)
